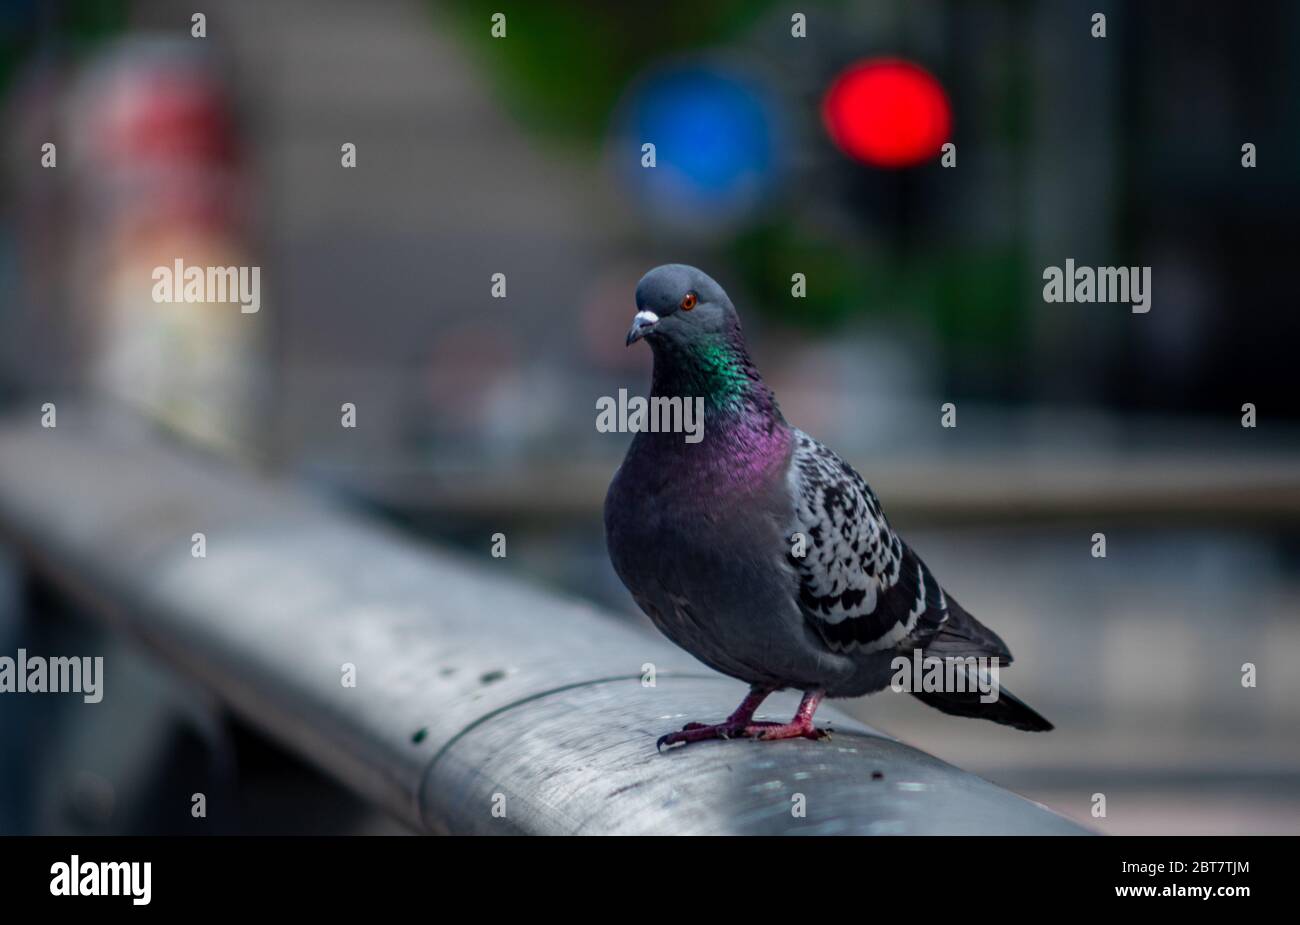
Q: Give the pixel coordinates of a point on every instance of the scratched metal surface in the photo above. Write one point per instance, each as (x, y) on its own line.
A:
(482, 705)
(583, 761)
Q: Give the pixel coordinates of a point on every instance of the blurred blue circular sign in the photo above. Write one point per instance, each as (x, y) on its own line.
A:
(716, 155)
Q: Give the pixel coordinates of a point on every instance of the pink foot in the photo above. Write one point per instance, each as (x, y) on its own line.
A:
(794, 730)
(689, 727)
(698, 732)
(740, 726)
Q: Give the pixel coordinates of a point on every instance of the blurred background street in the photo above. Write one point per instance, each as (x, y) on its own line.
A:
(521, 155)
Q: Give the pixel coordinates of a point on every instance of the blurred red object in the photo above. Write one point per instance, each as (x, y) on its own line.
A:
(159, 116)
(887, 112)
(159, 138)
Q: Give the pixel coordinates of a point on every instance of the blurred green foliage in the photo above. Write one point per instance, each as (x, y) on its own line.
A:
(75, 25)
(564, 64)
(962, 292)
(840, 287)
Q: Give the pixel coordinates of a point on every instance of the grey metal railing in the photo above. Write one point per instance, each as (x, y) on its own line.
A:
(480, 705)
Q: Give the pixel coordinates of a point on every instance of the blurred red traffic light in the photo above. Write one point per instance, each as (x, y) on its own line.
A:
(887, 112)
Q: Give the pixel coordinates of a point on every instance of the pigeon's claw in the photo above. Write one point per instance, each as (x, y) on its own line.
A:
(699, 732)
(795, 730)
(741, 725)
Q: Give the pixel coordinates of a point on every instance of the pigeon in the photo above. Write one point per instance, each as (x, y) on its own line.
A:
(761, 552)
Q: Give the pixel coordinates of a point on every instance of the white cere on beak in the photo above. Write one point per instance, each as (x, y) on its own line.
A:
(646, 317)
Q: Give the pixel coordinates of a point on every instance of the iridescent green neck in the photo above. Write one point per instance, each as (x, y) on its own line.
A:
(716, 368)
(720, 371)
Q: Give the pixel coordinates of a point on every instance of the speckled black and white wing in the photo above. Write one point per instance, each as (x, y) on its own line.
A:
(860, 586)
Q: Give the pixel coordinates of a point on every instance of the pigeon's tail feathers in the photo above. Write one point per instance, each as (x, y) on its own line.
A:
(1008, 709)
(961, 635)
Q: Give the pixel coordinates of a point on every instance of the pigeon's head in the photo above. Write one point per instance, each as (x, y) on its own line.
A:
(675, 302)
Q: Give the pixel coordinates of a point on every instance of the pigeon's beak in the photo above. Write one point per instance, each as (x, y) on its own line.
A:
(642, 324)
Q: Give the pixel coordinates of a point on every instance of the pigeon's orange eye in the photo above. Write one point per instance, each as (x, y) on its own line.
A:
(689, 300)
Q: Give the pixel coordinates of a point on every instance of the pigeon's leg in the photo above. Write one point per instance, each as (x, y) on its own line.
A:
(740, 719)
(801, 727)
(740, 716)
(740, 724)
